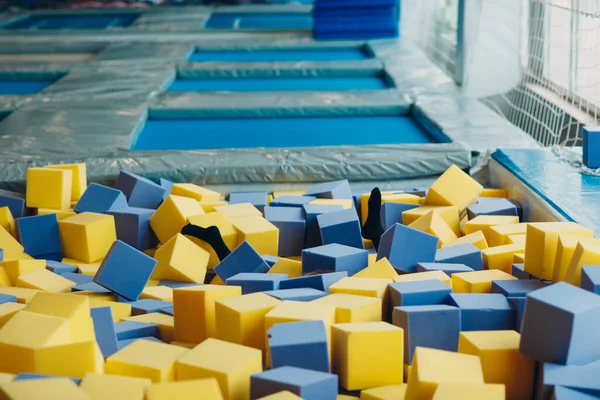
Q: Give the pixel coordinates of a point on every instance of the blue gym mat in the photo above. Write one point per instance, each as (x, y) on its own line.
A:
(206, 134)
(23, 87)
(260, 21)
(98, 21)
(276, 84)
(284, 54)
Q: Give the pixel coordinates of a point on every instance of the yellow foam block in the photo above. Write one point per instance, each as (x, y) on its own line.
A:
(490, 192)
(87, 237)
(146, 359)
(88, 268)
(454, 188)
(95, 295)
(239, 210)
(150, 252)
(434, 224)
(49, 188)
(231, 364)
(483, 223)
(448, 391)
(79, 181)
(372, 259)
(449, 214)
(208, 389)
(241, 319)
(60, 214)
(26, 333)
(5, 378)
(501, 360)
(587, 252)
(48, 281)
(166, 324)
(356, 345)
(379, 269)
(345, 203)
(71, 359)
(565, 248)
(195, 192)
(184, 344)
(7, 221)
(217, 281)
(7, 310)
(172, 216)
(260, 233)
(180, 259)
(407, 369)
(432, 367)
(285, 395)
(226, 229)
(194, 310)
(368, 244)
(23, 295)
(517, 239)
(292, 268)
(54, 388)
(370, 287)
(499, 234)
(425, 276)
(4, 279)
(352, 308)
(391, 392)
(477, 239)
(209, 205)
(278, 193)
(164, 293)
(501, 257)
(542, 242)
(519, 258)
(386, 197)
(341, 397)
(478, 281)
(106, 387)
(120, 311)
(18, 256)
(9, 244)
(14, 269)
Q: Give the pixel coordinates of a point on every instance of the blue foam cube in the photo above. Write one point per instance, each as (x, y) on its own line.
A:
(23, 376)
(578, 377)
(105, 330)
(319, 282)
(146, 306)
(356, 197)
(418, 293)
(300, 294)
(77, 278)
(391, 213)
(167, 310)
(257, 199)
(140, 192)
(591, 146)
(434, 326)
(491, 206)
(126, 342)
(448, 269)
(60, 268)
(134, 329)
(559, 325)
(133, 227)
(299, 344)
(341, 227)
(404, 247)
(518, 304)
(334, 257)
(52, 256)
(125, 271)
(256, 282)
(516, 288)
(167, 185)
(291, 201)
(590, 278)
(39, 234)
(330, 190)
(483, 312)
(313, 233)
(565, 393)
(270, 260)
(291, 223)
(90, 287)
(100, 199)
(15, 203)
(1, 254)
(6, 298)
(243, 259)
(305, 383)
(518, 271)
(464, 253)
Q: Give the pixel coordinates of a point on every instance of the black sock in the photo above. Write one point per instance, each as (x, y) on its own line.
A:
(210, 235)
(372, 229)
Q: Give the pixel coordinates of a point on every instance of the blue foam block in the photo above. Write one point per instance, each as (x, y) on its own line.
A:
(1, 254)
(516, 288)
(590, 278)
(291, 223)
(60, 268)
(90, 287)
(419, 293)
(404, 247)
(126, 342)
(140, 192)
(330, 190)
(591, 146)
(105, 330)
(300, 294)
(341, 227)
(167, 185)
(243, 259)
(134, 329)
(448, 268)
(465, 253)
(39, 234)
(391, 213)
(270, 260)
(421, 192)
(291, 201)
(257, 199)
(483, 312)
(146, 306)
(6, 298)
(176, 284)
(518, 271)
(313, 233)
(492, 206)
(319, 282)
(23, 376)
(334, 257)
(433, 326)
(52, 256)
(15, 203)
(133, 227)
(578, 377)
(167, 310)
(518, 304)
(256, 282)
(299, 344)
(565, 393)
(100, 199)
(79, 279)
(125, 271)
(307, 384)
(559, 325)
(357, 196)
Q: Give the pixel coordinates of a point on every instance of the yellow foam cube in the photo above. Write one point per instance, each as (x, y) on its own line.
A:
(60, 214)
(407, 369)
(478, 281)
(391, 392)
(501, 257)
(49, 188)
(519, 258)
(106, 387)
(433, 224)
(71, 359)
(490, 192)
(386, 197)
(368, 244)
(499, 234)
(7, 310)
(208, 389)
(7, 221)
(355, 345)
(352, 308)
(184, 344)
(172, 216)
(48, 281)
(241, 319)
(209, 205)
(587, 252)
(231, 364)
(226, 229)
(454, 188)
(432, 367)
(87, 237)
(345, 203)
(285, 395)
(260, 233)
(53, 388)
(23, 295)
(521, 240)
(565, 248)
(425, 276)
(166, 324)
(292, 268)
(380, 269)
(370, 287)
(483, 223)
(120, 311)
(340, 397)
(278, 193)
(14, 269)
(4, 279)
(9, 244)
(542, 242)
(449, 391)
(19, 256)
(180, 259)
(146, 359)
(194, 310)
(239, 210)
(5, 378)
(372, 259)
(79, 181)
(449, 214)
(477, 239)
(195, 192)
(164, 293)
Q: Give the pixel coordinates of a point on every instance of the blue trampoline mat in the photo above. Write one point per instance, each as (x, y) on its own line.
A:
(288, 54)
(206, 134)
(260, 21)
(277, 84)
(23, 87)
(99, 21)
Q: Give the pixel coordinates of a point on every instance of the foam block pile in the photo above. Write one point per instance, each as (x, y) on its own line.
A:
(102, 297)
(356, 19)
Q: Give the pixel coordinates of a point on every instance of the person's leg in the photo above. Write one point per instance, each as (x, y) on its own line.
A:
(372, 229)
(210, 235)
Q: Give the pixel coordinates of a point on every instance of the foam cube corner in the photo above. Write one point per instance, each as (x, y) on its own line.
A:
(172, 216)
(435, 225)
(330, 190)
(181, 260)
(193, 191)
(100, 199)
(307, 384)
(404, 247)
(39, 235)
(478, 281)
(243, 259)
(49, 188)
(257, 199)
(342, 227)
(79, 172)
(299, 344)
(133, 227)
(313, 233)
(334, 257)
(87, 237)
(260, 233)
(483, 312)
(466, 253)
(139, 191)
(453, 188)
(226, 229)
(418, 293)
(291, 223)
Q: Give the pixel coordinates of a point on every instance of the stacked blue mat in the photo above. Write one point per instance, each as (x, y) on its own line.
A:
(356, 19)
